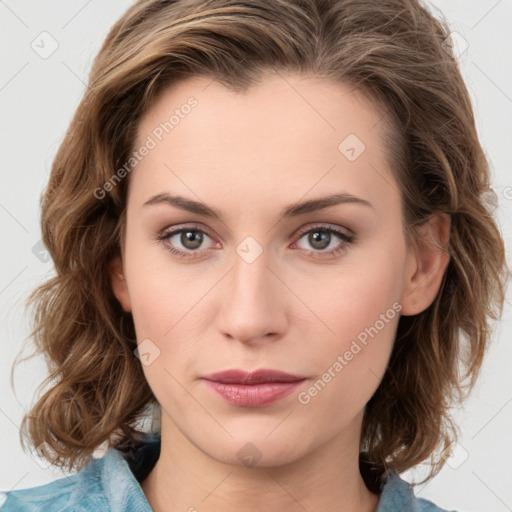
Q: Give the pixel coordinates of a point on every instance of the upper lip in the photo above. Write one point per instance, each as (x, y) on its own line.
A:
(236, 376)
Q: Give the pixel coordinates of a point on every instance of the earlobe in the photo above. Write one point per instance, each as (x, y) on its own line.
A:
(118, 283)
(426, 265)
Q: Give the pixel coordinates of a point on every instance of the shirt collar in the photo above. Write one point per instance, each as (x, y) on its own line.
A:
(122, 473)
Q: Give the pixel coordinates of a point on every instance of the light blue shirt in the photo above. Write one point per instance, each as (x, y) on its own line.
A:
(111, 484)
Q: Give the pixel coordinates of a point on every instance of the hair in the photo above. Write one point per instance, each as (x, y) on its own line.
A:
(395, 52)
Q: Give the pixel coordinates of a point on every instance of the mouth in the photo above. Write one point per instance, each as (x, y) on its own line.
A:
(253, 389)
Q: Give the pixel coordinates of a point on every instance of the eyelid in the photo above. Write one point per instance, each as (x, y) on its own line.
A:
(297, 234)
(177, 228)
(327, 226)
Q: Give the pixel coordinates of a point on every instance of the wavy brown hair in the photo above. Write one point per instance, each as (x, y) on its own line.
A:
(394, 51)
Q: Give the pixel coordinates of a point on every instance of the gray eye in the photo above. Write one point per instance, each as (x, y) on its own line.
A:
(319, 239)
(191, 239)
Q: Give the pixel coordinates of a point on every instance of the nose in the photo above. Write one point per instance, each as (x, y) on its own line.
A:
(253, 302)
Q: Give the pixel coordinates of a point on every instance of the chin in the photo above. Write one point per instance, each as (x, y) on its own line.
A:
(258, 450)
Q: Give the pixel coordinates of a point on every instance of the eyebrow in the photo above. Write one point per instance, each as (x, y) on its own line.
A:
(292, 210)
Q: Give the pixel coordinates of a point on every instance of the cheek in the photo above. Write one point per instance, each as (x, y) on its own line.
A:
(352, 362)
(161, 292)
(359, 308)
(354, 296)
(167, 302)
(162, 309)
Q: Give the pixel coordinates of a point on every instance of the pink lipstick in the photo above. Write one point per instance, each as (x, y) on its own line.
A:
(253, 389)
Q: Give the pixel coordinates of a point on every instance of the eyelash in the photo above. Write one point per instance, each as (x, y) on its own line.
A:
(342, 247)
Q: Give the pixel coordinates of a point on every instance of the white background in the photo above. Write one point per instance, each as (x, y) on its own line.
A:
(37, 99)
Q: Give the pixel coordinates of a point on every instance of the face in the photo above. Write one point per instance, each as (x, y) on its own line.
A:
(262, 283)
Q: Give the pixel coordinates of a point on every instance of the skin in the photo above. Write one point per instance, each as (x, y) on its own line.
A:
(293, 308)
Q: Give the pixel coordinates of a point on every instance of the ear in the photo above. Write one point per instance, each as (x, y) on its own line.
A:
(118, 283)
(426, 264)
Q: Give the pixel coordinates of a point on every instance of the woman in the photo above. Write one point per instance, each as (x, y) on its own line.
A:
(267, 222)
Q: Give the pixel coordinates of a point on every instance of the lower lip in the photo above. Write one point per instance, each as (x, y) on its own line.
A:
(254, 395)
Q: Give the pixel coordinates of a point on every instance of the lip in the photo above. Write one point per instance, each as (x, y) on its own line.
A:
(253, 389)
(264, 375)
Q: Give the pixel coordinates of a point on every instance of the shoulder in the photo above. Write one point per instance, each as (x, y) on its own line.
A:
(107, 484)
(398, 495)
(80, 492)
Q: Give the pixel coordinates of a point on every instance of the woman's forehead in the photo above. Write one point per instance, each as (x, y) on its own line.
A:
(287, 131)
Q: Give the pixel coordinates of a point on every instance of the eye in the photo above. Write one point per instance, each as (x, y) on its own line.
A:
(325, 241)
(184, 242)
(321, 238)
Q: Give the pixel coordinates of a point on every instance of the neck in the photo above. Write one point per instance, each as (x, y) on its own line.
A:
(328, 479)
